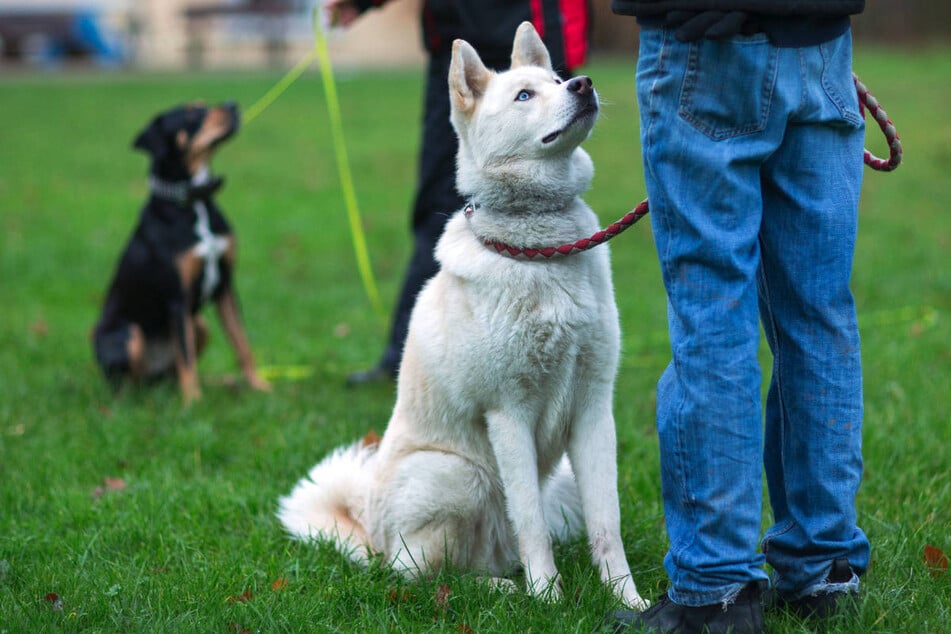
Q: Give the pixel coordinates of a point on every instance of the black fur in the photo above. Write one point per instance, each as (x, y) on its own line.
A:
(147, 289)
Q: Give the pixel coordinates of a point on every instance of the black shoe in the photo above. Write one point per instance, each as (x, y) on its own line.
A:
(379, 374)
(743, 616)
(824, 605)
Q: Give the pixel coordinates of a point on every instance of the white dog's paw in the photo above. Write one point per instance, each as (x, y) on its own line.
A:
(547, 589)
(499, 583)
(637, 602)
(626, 591)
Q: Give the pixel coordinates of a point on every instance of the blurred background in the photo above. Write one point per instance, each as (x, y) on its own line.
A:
(190, 34)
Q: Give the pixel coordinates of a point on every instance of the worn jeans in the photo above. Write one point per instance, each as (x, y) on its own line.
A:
(753, 163)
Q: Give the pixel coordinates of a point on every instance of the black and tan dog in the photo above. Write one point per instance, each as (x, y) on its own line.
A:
(181, 255)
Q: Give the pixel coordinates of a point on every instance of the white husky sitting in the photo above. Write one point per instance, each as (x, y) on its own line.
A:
(502, 435)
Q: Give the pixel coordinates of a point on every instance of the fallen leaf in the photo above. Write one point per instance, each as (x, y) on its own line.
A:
(241, 598)
(936, 560)
(40, 328)
(464, 629)
(108, 485)
(238, 629)
(279, 584)
(55, 602)
(442, 597)
(114, 484)
(578, 595)
(399, 595)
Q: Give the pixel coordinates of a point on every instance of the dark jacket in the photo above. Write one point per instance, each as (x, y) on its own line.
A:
(805, 8)
(786, 22)
(489, 26)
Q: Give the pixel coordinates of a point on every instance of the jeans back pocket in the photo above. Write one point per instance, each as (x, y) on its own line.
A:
(728, 86)
(837, 81)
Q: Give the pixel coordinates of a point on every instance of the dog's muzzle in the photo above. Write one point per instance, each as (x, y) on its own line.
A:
(583, 88)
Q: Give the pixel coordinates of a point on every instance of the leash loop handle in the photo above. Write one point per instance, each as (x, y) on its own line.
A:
(870, 103)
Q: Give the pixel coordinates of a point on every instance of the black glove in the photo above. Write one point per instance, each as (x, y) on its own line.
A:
(714, 25)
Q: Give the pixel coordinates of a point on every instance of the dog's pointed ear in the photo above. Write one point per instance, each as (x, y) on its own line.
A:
(152, 140)
(528, 48)
(468, 76)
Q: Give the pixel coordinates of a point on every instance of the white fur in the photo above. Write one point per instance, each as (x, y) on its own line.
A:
(502, 435)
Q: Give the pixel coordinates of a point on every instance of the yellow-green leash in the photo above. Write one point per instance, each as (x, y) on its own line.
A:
(321, 53)
(278, 89)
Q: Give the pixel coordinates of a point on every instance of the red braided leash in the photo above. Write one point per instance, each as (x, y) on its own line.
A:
(569, 248)
(866, 102)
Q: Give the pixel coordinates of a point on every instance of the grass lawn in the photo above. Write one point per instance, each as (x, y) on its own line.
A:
(133, 514)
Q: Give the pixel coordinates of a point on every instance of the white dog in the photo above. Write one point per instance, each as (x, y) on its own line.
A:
(509, 364)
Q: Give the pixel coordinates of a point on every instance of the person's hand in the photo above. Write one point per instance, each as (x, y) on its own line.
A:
(713, 25)
(341, 12)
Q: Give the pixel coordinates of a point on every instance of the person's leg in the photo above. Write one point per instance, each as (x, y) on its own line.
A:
(707, 125)
(436, 200)
(813, 454)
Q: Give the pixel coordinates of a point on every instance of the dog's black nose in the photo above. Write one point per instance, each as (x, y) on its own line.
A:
(581, 85)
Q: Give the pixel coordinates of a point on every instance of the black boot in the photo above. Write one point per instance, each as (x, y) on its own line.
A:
(744, 615)
(823, 605)
(377, 374)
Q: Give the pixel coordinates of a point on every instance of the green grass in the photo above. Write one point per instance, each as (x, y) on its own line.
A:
(186, 540)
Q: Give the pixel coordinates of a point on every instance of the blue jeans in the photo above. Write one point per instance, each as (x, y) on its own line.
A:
(753, 163)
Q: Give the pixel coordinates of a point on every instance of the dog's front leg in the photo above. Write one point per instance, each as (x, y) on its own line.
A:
(186, 355)
(592, 450)
(514, 447)
(227, 305)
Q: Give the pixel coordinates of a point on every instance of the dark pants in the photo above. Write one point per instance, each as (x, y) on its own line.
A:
(436, 200)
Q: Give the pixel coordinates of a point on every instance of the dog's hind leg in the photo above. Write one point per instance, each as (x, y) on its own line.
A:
(424, 550)
(120, 352)
(436, 509)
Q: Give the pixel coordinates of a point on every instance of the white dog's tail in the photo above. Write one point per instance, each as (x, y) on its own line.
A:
(562, 503)
(329, 502)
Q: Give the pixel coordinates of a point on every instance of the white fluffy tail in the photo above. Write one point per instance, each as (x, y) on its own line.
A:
(561, 503)
(329, 502)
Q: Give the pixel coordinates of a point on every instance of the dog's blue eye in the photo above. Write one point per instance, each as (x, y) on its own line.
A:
(524, 95)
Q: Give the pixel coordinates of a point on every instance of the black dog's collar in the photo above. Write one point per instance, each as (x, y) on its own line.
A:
(182, 192)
